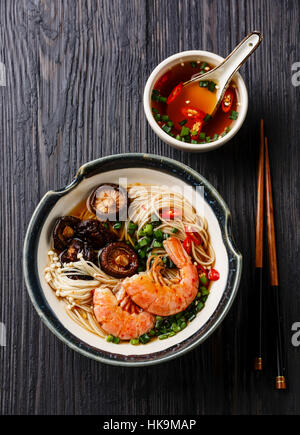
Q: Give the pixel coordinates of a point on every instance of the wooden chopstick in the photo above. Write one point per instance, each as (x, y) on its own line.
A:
(280, 378)
(258, 362)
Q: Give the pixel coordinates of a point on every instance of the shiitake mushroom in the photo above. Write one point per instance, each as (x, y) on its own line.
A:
(119, 260)
(108, 202)
(93, 231)
(75, 247)
(64, 230)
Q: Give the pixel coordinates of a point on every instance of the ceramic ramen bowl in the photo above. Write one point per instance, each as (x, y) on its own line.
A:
(191, 56)
(143, 168)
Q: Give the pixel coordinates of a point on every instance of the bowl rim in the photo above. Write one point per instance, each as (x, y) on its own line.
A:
(187, 146)
(32, 278)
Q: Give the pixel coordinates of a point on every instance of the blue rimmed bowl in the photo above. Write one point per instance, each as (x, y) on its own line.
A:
(143, 168)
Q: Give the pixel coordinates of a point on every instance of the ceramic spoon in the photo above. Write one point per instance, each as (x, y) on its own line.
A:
(223, 73)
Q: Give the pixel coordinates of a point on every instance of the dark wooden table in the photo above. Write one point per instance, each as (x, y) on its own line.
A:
(75, 73)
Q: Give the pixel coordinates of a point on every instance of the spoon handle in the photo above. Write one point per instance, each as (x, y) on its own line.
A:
(237, 58)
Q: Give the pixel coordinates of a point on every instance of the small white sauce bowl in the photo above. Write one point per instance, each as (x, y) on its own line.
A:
(188, 56)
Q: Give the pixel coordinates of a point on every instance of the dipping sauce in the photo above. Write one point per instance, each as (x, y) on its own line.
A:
(184, 112)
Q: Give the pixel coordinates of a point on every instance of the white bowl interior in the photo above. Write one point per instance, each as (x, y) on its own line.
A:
(187, 56)
(142, 175)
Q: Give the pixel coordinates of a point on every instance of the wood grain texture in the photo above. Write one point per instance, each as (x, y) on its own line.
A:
(75, 76)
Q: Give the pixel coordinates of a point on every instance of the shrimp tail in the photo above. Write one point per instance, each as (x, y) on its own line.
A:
(176, 252)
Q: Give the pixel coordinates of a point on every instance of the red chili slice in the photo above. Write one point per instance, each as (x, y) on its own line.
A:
(187, 244)
(171, 214)
(193, 236)
(227, 100)
(201, 268)
(176, 91)
(160, 82)
(213, 275)
(195, 125)
(191, 112)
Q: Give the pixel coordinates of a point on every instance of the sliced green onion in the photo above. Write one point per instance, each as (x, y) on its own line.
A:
(110, 338)
(117, 225)
(234, 115)
(178, 137)
(212, 86)
(216, 137)
(157, 244)
(148, 230)
(204, 291)
(203, 83)
(162, 99)
(141, 253)
(175, 230)
(144, 338)
(145, 241)
(199, 306)
(182, 325)
(157, 117)
(203, 65)
(175, 327)
(202, 136)
(193, 64)
(194, 142)
(184, 131)
(183, 122)
(207, 118)
(158, 234)
(165, 118)
(134, 341)
(163, 336)
(203, 279)
(154, 110)
(116, 340)
(131, 227)
(170, 123)
(166, 128)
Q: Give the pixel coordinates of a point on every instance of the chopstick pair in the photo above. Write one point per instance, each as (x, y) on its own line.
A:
(264, 180)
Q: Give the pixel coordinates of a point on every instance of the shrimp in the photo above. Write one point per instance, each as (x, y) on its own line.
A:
(116, 320)
(161, 296)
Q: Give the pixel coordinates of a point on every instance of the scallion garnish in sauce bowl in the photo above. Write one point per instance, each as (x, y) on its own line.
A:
(185, 112)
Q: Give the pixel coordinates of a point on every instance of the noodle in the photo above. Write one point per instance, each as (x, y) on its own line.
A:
(146, 203)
